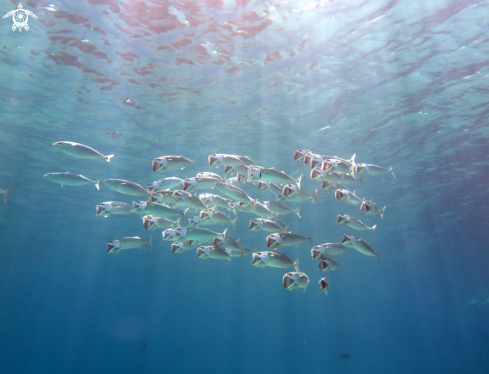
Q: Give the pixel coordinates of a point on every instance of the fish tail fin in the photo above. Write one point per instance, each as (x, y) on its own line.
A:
(390, 169)
(297, 211)
(352, 159)
(177, 222)
(183, 214)
(224, 233)
(298, 181)
(373, 229)
(97, 184)
(361, 180)
(382, 211)
(230, 256)
(108, 158)
(233, 221)
(150, 242)
(378, 257)
(296, 265)
(326, 292)
(315, 197)
(305, 288)
(310, 237)
(4, 193)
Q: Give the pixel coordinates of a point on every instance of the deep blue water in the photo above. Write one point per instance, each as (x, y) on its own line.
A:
(398, 83)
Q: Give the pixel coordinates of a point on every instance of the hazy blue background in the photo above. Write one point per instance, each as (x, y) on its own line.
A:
(399, 83)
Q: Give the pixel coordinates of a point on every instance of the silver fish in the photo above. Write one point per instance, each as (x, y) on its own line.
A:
(321, 176)
(276, 176)
(369, 208)
(201, 235)
(127, 242)
(218, 217)
(163, 197)
(209, 251)
(257, 224)
(332, 187)
(290, 190)
(233, 192)
(334, 165)
(68, 179)
(279, 208)
(4, 193)
(165, 184)
(155, 209)
(253, 173)
(126, 187)
(188, 200)
(295, 279)
(299, 154)
(113, 207)
(228, 160)
(80, 150)
(165, 163)
(286, 239)
(346, 220)
(364, 169)
(272, 259)
(169, 234)
(179, 247)
(327, 264)
(211, 200)
(360, 245)
(208, 174)
(270, 187)
(192, 184)
(261, 209)
(322, 251)
(347, 197)
(152, 222)
(324, 285)
(225, 241)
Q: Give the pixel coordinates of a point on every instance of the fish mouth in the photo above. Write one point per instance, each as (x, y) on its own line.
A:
(315, 173)
(271, 243)
(288, 191)
(261, 185)
(313, 163)
(177, 193)
(241, 177)
(315, 254)
(288, 281)
(175, 248)
(341, 220)
(227, 169)
(339, 195)
(346, 239)
(186, 185)
(110, 246)
(307, 159)
(255, 260)
(99, 210)
(323, 285)
(212, 161)
(252, 225)
(323, 265)
(367, 208)
(299, 155)
(217, 241)
(326, 166)
(157, 165)
(200, 253)
(148, 224)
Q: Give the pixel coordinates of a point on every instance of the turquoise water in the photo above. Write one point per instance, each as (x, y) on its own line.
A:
(398, 83)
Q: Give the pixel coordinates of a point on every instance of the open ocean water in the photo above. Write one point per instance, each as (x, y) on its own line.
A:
(398, 83)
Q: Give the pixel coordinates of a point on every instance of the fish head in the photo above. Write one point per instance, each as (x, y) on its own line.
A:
(219, 241)
(189, 184)
(205, 198)
(260, 259)
(327, 166)
(240, 177)
(255, 224)
(308, 157)
(181, 232)
(149, 222)
(317, 173)
(192, 221)
(274, 240)
(289, 190)
(290, 280)
(152, 186)
(168, 234)
(324, 265)
(348, 240)
(341, 194)
(154, 198)
(299, 154)
(203, 252)
(113, 246)
(204, 215)
(323, 285)
(138, 205)
(177, 247)
(366, 207)
(316, 161)
(103, 209)
(361, 168)
(215, 159)
(228, 169)
(160, 164)
(254, 174)
(343, 219)
(178, 195)
(262, 186)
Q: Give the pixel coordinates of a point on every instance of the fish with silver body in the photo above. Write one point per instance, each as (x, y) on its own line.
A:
(163, 197)
(369, 208)
(295, 279)
(211, 200)
(126, 187)
(208, 174)
(80, 150)
(324, 285)
(228, 160)
(328, 263)
(225, 241)
(261, 209)
(214, 216)
(179, 247)
(319, 175)
(265, 224)
(322, 251)
(128, 242)
(201, 235)
(165, 184)
(197, 183)
(335, 165)
(165, 163)
(69, 179)
(155, 209)
(233, 192)
(253, 173)
(360, 245)
(112, 207)
(347, 196)
(300, 154)
(272, 259)
(332, 187)
(290, 190)
(217, 253)
(169, 234)
(152, 222)
(370, 169)
(279, 208)
(236, 181)
(270, 187)
(276, 176)
(189, 200)
(286, 239)
(354, 223)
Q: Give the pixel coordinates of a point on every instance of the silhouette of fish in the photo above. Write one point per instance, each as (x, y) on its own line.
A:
(344, 356)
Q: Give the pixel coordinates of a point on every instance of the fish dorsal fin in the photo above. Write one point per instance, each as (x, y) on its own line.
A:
(237, 241)
(224, 233)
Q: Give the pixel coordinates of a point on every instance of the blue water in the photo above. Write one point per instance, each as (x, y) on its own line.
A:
(398, 83)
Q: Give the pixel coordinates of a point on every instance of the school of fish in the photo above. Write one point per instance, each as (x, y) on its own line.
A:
(165, 203)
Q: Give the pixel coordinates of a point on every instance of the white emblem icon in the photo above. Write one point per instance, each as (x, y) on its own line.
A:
(20, 17)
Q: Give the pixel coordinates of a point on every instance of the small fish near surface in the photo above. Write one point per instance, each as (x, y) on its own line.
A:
(114, 246)
(360, 245)
(350, 221)
(286, 239)
(126, 187)
(295, 279)
(80, 150)
(4, 194)
(272, 259)
(166, 163)
(112, 207)
(369, 208)
(69, 179)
